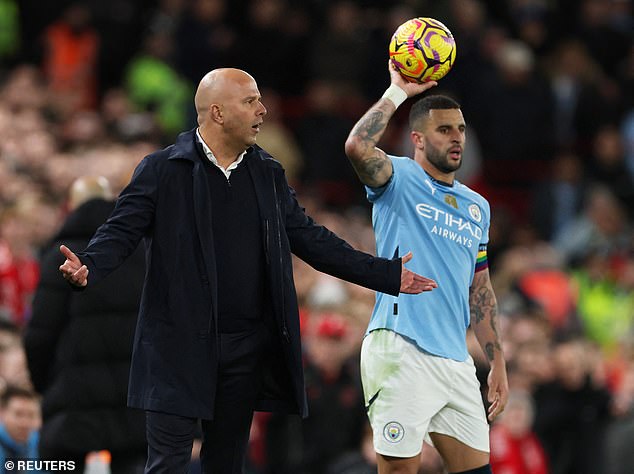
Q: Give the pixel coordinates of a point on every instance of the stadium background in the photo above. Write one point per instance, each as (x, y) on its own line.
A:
(548, 94)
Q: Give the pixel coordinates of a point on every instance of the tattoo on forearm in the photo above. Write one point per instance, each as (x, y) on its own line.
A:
(483, 304)
(489, 348)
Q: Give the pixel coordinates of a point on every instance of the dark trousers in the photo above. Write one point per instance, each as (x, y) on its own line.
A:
(225, 438)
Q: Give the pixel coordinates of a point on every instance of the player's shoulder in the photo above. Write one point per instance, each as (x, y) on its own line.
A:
(469, 193)
(478, 207)
(401, 160)
(403, 167)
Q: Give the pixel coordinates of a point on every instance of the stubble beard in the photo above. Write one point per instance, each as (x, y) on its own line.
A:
(440, 160)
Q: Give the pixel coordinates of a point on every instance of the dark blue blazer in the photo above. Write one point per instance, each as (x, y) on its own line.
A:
(174, 361)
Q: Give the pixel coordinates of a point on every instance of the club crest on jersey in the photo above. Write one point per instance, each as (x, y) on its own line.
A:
(451, 200)
(393, 432)
(474, 212)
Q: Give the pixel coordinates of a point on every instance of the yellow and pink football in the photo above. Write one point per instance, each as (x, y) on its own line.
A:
(422, 50)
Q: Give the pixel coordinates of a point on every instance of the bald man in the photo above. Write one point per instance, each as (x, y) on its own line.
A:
(218, 333)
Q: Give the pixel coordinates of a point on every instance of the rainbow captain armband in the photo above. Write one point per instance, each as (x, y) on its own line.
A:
(482, 262)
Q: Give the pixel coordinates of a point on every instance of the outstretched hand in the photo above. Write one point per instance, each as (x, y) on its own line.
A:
(412, 283)
(410, 88)
(72, 269)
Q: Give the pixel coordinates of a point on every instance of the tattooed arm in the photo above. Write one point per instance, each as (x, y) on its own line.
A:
(484, 323)
(371, 163)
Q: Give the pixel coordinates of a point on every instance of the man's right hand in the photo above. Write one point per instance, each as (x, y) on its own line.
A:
(72, 269)
(410, 88)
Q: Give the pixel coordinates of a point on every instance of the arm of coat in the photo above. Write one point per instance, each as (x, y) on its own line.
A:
(130, 221)
(326, 252)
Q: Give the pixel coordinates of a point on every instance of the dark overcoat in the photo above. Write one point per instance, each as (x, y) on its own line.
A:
(175, 359)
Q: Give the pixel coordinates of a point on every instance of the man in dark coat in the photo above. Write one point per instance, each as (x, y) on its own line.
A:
(79, 345)
(218, 333)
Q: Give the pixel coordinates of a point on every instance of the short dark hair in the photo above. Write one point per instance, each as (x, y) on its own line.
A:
(13, 391)
(421, 108)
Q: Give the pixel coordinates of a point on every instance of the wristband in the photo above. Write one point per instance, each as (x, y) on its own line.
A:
(395, 94)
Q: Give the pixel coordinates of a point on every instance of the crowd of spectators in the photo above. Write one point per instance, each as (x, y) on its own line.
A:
(89, 88)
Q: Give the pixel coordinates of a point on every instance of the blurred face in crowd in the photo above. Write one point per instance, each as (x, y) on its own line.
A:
(518, 415)
(570, 361)
(20, 417)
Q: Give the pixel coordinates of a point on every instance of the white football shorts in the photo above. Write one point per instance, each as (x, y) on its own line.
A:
(410, 393)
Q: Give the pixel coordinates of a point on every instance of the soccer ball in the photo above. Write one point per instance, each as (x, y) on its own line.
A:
(422, 50)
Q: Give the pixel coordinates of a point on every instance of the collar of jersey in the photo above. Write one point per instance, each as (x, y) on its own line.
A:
(437, 181)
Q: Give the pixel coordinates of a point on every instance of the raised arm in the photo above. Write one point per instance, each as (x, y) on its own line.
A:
(370, 162)
(484, 323)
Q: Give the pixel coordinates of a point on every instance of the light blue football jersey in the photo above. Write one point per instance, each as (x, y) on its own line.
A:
(445, 227)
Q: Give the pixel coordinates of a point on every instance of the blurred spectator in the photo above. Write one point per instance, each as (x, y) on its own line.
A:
(166, 15)
(122, 123)
(13, 366)
(19, 269)
(620, 433)
(79, 346)
(335, 401)
(574, 77)
(154, 85)
(360, 461)
(263, 47)
(608, 166)
(70, 60)
(533, 24)
(605, 305)
(23, 90)
(9, 31)
(339, 50)
(523, 102)
(627, 131)
(515, 449)
(321, 133)
(19, 422)
(84, 129)
(202, 32)
(602, 227)
(552, 290)
(558, 199)
(572, 412)
(278, 140)
(606, 42)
